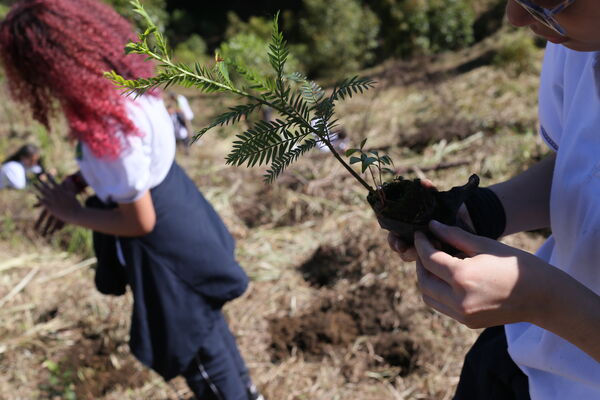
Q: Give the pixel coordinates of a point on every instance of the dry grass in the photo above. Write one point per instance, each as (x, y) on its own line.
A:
(315, 213)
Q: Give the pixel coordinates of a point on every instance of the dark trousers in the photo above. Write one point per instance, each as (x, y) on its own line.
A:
(218, 371)
(489, 373)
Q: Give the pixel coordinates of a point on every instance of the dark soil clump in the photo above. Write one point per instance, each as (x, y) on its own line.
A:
(336, 322)
(399, 350)
(329, 264)
(94, 366)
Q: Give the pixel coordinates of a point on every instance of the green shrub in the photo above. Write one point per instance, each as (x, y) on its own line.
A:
(75, 240)
(192, 50)
(518, 53)
(258, 26)
(340, 36)
(156, 8)
(248, 49)
(424, 26)
(3, 10)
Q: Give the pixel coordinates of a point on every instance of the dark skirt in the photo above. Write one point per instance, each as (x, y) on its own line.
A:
(180, 274)
(489, 373)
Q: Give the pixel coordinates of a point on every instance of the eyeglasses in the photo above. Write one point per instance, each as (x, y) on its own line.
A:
(546, 15)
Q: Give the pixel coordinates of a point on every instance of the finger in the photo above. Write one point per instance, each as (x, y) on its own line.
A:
(58, 225)
(406, 253)
(435, 261)
(409, 255)
(42, 188)
(395, 243)
(427, 183)
(433, 286)
(48, 225)
(40, 220)
(52, 180)
(460, 239)
(441, 307)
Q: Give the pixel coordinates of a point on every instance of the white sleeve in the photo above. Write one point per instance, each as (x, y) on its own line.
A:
(123, 180)
(185, 108)
(13, 175)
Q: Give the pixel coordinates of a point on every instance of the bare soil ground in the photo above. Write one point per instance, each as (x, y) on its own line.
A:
(331, 313)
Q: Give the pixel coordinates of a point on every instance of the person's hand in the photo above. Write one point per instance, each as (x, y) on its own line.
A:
(494, 285)
(59, 204)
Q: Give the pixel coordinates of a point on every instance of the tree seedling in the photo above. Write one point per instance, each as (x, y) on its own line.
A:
(306, 120)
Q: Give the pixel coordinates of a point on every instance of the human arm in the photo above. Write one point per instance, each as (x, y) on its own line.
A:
(526, 197)
(497, 284)
(135, 218)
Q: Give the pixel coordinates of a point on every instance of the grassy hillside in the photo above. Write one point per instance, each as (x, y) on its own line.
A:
(331, 312)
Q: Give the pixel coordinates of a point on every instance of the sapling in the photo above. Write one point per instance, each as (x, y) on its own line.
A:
(306, 119)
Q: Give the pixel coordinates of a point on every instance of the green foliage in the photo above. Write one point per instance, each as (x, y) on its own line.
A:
(258, 26)
(60, 383)
(191, 50)
(74, 240)
(517, 53)
(3, 10)
(424, 26)
(371, 160)
(247, 49)
(157, 9)
(340, 36)
(450, 24)
(307, 114)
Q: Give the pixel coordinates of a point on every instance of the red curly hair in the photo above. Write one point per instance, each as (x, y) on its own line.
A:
(55, 52)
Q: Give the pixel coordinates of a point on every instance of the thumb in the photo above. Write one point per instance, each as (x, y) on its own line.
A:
(458, 238)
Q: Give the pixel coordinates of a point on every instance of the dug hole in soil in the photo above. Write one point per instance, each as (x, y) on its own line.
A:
(338, 321)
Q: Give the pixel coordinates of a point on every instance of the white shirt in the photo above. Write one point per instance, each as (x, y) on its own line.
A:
(185, 108)
(144, 161)
(569, 113)
(13, 175)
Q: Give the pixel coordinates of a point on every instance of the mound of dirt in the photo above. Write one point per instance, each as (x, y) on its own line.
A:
(95, 365)
(337, 321)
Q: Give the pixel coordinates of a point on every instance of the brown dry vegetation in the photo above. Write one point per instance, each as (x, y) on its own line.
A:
(331, 312)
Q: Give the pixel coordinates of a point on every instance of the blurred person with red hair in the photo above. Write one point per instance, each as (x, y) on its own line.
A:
(153, 229)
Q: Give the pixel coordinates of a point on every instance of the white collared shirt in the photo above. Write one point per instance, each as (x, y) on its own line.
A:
(569, 110)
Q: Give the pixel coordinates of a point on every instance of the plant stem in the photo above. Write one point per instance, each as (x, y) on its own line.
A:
(348, 168)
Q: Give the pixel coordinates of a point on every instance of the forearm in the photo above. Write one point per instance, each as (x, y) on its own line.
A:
(526, 197)
(111, 222)
(570, 310)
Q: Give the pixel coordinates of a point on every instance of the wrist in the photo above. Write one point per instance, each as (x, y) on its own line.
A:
(75, 216)
(553, 298)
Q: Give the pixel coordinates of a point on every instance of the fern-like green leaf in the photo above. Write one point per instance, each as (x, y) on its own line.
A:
(264, 143)
(349, 87)
(286, 159)
(233, 115)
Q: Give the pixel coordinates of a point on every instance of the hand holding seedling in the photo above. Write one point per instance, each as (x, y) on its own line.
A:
(493, 285)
